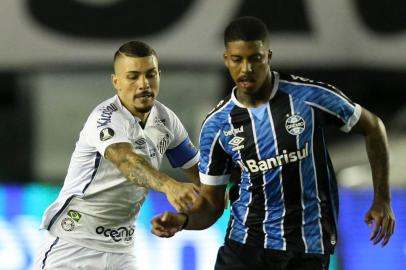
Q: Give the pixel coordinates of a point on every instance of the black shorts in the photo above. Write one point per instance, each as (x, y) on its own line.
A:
(236, 256)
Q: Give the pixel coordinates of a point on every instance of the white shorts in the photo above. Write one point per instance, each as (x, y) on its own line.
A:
(55, 253)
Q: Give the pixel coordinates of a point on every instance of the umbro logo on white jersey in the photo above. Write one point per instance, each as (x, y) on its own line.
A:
(140, 141)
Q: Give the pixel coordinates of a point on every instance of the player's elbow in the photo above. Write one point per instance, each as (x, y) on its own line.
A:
(376, 127)
(370, 124)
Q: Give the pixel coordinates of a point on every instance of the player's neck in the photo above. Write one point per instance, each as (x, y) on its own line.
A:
(142, 116)
(259, 97)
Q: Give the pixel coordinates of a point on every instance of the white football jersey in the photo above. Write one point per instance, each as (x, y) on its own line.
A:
(97, 205)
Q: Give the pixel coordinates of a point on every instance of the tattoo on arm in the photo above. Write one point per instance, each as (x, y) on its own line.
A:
(134, 167)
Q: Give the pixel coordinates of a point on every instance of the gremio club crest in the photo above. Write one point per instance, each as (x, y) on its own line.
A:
(295, 124)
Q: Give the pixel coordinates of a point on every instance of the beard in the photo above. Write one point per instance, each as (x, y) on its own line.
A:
(144, 109)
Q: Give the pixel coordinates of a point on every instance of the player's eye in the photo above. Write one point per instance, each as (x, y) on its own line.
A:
(236, 59)
(152, 74)
(132, 77)
(256, 58)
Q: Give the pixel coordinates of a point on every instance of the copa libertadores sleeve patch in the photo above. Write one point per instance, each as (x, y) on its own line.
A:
(106, 133)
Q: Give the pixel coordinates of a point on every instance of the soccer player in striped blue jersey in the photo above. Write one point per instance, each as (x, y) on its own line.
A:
(284, 208)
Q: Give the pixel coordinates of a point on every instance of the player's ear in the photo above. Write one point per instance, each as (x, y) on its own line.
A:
(225, 58)
(269, 56)
(114, 81)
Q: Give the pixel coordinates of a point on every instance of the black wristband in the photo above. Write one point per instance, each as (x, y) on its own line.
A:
(186, 220)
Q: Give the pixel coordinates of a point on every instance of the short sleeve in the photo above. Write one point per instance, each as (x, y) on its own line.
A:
(332, 101)
(184, 155)
(215, 164)
(181, 152)
(352, 120)
(101, 134)
(178, 130)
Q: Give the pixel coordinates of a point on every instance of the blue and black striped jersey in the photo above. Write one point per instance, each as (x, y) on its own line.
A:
(286, 197)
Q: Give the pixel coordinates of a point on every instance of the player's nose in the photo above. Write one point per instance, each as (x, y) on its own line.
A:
(143, 83)
(246, 67)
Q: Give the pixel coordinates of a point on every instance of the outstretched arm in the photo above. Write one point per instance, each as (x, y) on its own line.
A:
(376, 143)
(137, 170)
(193, 174)
(205, 212)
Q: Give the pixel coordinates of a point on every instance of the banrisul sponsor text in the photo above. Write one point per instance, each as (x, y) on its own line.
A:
(286, 157)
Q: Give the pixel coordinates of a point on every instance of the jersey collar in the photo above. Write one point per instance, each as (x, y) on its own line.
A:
(274, 90)
(129, 115)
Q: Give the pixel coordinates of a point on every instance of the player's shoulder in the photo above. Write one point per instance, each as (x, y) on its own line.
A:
(108, 104)
(220, 112)
(105, 112)
(163, 114)
(162, 108)
(303, 82)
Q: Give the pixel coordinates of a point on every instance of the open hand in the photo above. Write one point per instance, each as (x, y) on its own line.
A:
(384, 227)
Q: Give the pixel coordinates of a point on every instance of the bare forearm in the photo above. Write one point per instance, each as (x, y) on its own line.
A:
(204, 214)
(193, 174)
(140, 172)
(378, 155)
(135, 168)
(203, 219)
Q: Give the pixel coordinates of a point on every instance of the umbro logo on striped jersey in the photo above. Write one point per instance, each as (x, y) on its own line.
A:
(236, 141)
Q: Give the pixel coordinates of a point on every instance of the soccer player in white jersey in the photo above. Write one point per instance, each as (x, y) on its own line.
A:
(116, 160)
